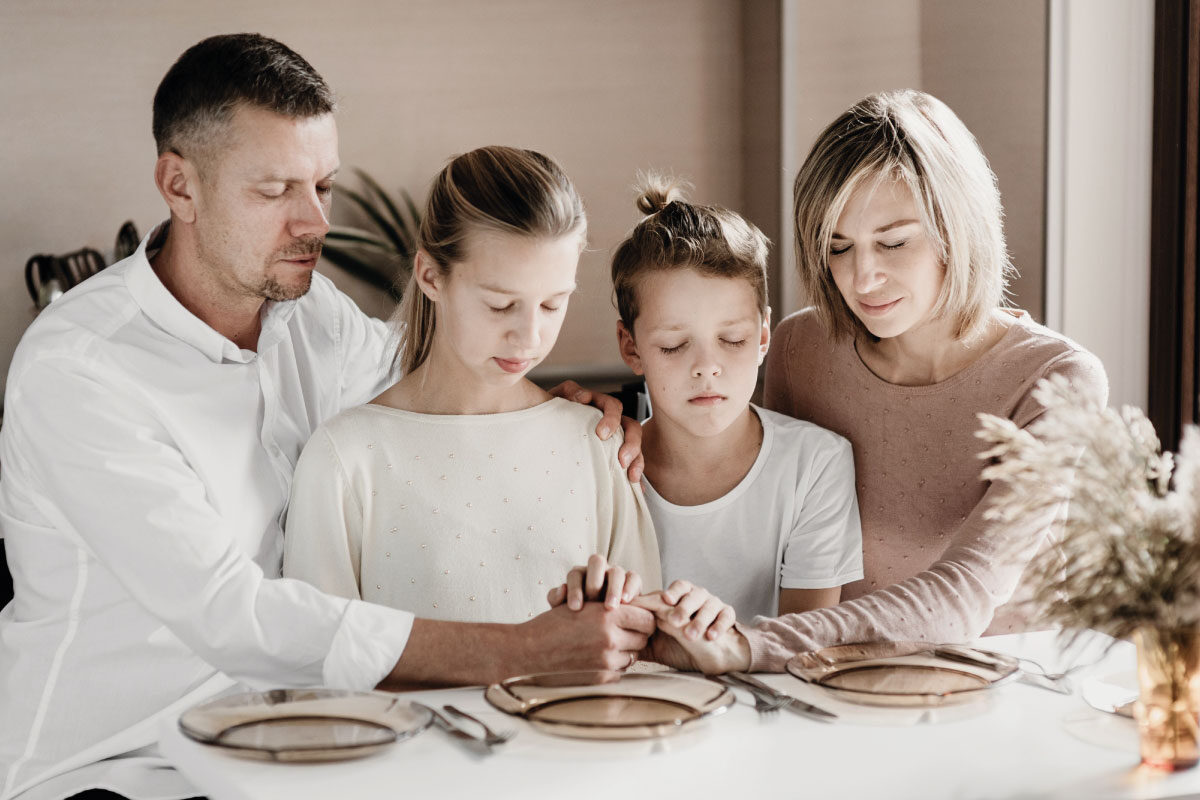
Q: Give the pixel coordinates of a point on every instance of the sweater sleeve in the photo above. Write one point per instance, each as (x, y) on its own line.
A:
(632, 543)
(954, 599)
(323, 543)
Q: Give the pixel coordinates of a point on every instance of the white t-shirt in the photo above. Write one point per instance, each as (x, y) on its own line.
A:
(462, 517)
(792, 522)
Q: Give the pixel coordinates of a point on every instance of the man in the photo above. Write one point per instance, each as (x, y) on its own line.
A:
(154, 416)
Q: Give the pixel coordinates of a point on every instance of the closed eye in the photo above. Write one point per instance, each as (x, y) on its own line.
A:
(737, 343)
(669, 350)
(836, 251)
(503, 310)
(895, 246)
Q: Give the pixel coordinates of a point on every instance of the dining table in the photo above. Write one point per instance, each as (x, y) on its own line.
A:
(1016, 740)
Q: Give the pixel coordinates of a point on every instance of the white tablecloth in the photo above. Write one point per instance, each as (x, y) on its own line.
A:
(1024, 743)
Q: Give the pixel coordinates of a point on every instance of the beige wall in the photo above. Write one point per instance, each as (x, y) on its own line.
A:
(729, 95)
(988, 61)
(606, 87)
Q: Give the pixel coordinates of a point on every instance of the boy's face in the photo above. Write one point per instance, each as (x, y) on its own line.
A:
(699, 341)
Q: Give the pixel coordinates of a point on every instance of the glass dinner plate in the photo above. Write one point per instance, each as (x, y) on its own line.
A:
(609, 705)
(904, 674)
(304, 724)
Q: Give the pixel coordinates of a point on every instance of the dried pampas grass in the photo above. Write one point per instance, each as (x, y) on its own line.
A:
(1127, 551)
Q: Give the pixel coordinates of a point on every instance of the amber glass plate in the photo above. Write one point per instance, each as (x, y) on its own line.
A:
(904, 673)
(304, 724)
(609, 705)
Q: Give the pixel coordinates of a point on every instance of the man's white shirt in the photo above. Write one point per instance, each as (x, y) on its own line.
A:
(146, 465)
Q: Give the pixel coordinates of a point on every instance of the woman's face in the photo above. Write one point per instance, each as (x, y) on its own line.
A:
(882, 261)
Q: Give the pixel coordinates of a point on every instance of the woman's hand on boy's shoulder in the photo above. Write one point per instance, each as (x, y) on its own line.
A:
(630, 454)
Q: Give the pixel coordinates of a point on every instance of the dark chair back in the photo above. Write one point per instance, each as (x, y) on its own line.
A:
(6, 587)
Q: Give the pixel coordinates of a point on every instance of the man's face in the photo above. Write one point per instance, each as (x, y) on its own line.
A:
(262, 203)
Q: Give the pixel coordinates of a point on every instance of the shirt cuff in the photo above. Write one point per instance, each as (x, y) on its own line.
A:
(367, 646)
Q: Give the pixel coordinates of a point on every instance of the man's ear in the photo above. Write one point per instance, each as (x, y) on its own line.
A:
(427, 275)
(629, 349)
(177, 181)
(764, 336)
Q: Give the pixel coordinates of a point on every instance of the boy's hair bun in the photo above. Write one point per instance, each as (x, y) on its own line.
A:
(656, 191)
(676, 234)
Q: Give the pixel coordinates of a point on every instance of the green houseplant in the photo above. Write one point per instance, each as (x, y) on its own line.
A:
(382, 254)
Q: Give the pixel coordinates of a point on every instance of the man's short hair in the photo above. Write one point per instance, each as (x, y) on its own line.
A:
(202, 89)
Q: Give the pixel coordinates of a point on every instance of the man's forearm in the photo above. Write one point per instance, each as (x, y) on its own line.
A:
(455, 653)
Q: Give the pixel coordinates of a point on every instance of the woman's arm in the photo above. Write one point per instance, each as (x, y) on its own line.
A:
(955, 598)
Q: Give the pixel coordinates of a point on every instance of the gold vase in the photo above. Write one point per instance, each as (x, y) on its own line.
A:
(1168, 711)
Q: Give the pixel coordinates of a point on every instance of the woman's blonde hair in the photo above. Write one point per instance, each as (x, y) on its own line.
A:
(913, 137)
(676, 234)
(492, 189)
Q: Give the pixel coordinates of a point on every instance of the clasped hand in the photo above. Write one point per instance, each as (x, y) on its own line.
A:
(694, 629)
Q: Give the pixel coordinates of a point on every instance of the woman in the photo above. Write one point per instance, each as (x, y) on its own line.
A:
(900, 245)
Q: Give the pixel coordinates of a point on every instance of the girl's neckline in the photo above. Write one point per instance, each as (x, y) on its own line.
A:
(500, 416)
(1020, 320)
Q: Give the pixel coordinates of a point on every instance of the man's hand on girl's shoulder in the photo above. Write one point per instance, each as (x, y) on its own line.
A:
(630, 454)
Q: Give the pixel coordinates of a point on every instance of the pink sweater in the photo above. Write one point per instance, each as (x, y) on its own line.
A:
(934, 569)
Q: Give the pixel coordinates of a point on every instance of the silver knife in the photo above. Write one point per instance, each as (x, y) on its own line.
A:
(475, 744)
(793, 704)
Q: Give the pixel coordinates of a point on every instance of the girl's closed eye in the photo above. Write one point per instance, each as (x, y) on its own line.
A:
(838, 249)
(734, 342)
(893, 245)
(502, 309)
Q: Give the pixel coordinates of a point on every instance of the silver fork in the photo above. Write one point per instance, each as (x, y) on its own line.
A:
(490, 737)
(762, 703)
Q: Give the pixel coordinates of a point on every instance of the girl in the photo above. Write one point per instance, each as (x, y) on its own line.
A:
(464, 491)
(900, 244)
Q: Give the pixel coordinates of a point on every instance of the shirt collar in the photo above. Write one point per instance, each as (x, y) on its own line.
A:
(165, 311)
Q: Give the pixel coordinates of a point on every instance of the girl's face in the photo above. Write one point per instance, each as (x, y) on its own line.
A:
(882, 261)
(698, 339)
(499, 310)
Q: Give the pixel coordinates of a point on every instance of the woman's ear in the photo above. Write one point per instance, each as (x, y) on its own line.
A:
(177, 181)
(427, 275)
(628, 348)
(764, 336)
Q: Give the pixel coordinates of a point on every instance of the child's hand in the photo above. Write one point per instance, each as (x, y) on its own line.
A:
(696, 611)
(729, 652)
(598, 580)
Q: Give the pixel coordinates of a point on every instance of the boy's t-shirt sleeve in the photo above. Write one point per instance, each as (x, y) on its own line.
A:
(824, 546)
